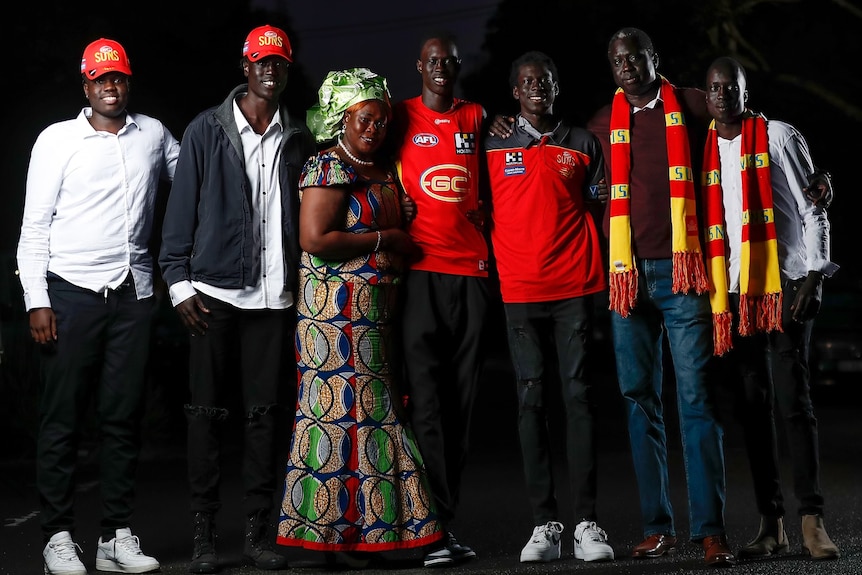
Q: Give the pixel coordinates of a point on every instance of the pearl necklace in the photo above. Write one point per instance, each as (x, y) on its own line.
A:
(353, 158)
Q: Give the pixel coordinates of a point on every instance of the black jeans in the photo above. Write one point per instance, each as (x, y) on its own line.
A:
(567, 326)
(256, 339)
(101, 351)
(785, 355)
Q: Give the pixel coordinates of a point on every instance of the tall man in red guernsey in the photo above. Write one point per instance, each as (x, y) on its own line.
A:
(437, 144)
(548, 255)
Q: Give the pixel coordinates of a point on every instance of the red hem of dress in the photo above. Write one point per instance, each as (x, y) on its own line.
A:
(385, 546)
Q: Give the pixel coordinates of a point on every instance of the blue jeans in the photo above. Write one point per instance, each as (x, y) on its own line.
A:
(566, 327)
(687, 321)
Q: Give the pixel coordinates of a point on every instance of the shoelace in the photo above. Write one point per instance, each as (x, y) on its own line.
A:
(129, 544)
(66, 550)
(594, 533)
(550, 528)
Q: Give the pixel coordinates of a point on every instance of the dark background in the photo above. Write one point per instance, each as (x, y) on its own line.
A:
(800, 56)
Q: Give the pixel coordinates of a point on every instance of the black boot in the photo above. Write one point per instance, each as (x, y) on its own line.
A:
(204, 558)
(258, 549)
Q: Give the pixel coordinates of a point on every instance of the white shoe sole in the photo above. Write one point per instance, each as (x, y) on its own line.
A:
(75, 572)
(531, 557)
(114, 567)
(599, 556)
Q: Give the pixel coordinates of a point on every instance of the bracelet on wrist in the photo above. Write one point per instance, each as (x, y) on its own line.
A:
(379, 240)
(823, 172)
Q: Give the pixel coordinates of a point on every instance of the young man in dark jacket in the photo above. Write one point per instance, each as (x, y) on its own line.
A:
(229, 255)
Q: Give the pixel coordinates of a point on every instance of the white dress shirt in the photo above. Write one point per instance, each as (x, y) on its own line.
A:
(261, 154)
(801, 227)
(89, 205)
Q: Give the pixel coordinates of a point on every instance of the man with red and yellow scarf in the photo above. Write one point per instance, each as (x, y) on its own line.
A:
(651, 136)
(768, 250)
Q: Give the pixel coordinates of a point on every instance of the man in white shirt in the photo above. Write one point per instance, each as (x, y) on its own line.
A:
(87, 277)
(803, 251)
(230, 254)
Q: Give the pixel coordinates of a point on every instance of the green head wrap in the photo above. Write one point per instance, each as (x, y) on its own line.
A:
(340, 90)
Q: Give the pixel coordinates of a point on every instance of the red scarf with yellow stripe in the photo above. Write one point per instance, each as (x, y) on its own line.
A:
(688, 268)
(759, 273)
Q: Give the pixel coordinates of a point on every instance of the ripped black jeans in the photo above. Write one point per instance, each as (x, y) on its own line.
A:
(245, 349)
(535, 332)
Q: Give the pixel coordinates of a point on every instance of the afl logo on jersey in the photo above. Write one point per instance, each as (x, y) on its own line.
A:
(425, 140)
(446, 182)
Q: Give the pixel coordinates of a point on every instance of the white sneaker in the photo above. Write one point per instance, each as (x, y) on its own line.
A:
(61, 556)
(123, 554)
(544, 543)
(591, 543)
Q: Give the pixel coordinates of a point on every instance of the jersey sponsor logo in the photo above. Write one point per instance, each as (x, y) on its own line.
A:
(514, 158)
(514, 164)
(446, 182)
(439, 121)
(465, 143)
(425, 140)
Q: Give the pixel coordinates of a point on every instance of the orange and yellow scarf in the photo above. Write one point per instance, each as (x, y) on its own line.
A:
(688, 268)
(759, 275)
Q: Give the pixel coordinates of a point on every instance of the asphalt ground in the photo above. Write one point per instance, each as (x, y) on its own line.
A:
(494, 517)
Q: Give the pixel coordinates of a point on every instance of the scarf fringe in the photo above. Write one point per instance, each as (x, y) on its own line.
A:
(623, 291)
(689, 273)
(764, 310)
(722, 337)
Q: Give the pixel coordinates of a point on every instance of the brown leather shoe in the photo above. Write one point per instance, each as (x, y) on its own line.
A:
(655, 545)
(771, 539)
(815, 541)
(716, 552)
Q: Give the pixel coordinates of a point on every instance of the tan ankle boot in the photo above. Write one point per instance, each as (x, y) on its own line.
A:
(815, 540)
(771, 539)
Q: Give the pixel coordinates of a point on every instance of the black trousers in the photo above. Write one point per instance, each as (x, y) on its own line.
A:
(442, 325)
(774, 377)
(101, 352)
(254, 338)
(541, 335)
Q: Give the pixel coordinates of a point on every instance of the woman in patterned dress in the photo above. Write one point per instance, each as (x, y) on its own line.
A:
(355, 480)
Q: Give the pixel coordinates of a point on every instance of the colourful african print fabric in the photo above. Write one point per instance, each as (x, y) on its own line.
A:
(355, 480)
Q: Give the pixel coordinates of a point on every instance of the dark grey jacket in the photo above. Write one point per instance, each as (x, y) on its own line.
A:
(207, 231)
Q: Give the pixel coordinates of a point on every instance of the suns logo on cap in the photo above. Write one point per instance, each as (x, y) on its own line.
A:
(270, 38)
(106, 54)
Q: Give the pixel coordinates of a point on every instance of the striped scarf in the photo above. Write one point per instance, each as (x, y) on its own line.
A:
(759, 276)
(688, 268)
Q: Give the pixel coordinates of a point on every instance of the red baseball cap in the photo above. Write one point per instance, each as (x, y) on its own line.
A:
(266, 41)
(103, 56)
